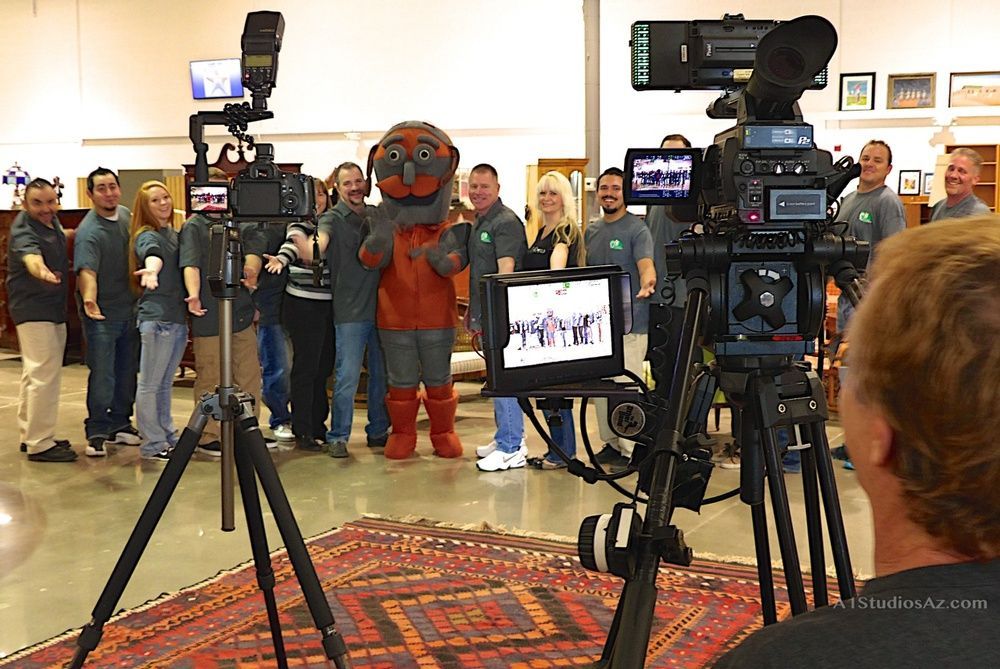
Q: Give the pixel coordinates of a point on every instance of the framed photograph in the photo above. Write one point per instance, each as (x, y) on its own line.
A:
(974, 89)
(857, 91)
(909, 182)
(928, 182)
(910, 91)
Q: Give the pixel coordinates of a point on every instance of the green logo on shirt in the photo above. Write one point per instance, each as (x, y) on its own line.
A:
(485, 237)
(865, 217)
(616, 245)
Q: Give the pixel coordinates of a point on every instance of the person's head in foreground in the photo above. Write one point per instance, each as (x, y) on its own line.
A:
(921, 416)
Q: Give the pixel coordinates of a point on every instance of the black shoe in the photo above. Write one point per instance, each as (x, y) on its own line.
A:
(378, 442)
(309, 444)
(162, 456)
(54, 454)
(212, 449)
(95, 447)
(127, 436)
(608, 455)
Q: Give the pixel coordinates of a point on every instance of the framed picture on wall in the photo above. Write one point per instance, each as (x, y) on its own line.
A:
(909, 182)
(928, 182)
(857, 91)
(910, 91)
(974, 89)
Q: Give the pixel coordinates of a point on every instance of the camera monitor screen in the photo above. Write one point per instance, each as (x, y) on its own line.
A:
(662, 176)
(213, 198)
(554, 327)
(216, 79)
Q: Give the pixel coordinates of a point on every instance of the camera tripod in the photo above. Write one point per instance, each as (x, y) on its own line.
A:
(770, 393)
(242, 443)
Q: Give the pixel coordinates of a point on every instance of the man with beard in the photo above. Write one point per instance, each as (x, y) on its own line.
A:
(355, 293)
(620, 238)
(100, 260)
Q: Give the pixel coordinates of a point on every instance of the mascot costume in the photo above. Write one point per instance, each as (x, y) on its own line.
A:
(410, 240)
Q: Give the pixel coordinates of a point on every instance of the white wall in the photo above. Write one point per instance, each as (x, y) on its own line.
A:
(109, 81)
(91, 82)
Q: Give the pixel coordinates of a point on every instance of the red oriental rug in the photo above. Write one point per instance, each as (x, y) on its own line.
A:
(407, 595)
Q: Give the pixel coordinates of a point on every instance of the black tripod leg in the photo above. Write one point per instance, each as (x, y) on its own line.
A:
(834, 518)
(305, 572)
(752, 494)
(783, 522)
(814, 528)
(91, 634)
(258, 544)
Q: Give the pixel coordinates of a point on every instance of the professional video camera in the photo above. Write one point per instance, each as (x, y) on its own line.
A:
(261, 191)
(764, 196)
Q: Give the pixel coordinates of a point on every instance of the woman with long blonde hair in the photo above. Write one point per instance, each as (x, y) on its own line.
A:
(161, 315)
(556, 243)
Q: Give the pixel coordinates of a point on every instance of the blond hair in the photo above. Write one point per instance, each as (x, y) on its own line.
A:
(925, 354)
(566, 231)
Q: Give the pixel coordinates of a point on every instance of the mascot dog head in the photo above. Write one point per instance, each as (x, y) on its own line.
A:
(415, 163)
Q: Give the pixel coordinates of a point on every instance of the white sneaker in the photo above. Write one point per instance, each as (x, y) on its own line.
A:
(283, 433)
(483, 451)
(498, 460)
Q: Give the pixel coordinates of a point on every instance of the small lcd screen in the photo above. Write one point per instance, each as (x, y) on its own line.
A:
(256, 198)
(661, 176)
(209, 198)
(788, 204)
(777, 137)
(216, 79)
(259, 60)
(558, 322)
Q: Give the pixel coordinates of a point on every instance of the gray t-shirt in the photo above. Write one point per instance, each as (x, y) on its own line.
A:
(970, 205)
(623, 243)
(166, 302)
(101, 245)
(30, 299)
(664, 230)
(355, 288)
(941, 616)
(872, 217)
(498, 233)
(195, 248)
(267, 238)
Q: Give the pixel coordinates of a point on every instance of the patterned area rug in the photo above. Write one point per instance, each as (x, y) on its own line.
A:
(407, 595)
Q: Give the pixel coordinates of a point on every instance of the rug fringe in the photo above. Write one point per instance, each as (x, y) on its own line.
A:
(488, 528)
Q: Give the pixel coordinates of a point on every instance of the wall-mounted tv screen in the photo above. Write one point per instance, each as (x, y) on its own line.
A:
(221, 78)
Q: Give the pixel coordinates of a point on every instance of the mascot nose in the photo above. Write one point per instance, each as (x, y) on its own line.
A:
(409, 173)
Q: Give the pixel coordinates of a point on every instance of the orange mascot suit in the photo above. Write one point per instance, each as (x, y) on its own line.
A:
(410, 240)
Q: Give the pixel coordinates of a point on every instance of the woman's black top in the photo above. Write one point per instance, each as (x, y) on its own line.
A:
(540, 252)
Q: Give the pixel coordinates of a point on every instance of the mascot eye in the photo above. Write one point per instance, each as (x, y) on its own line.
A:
(423, 154)
(395, 155)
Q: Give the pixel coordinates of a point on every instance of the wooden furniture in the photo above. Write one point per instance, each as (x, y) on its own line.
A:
(70, 219)
(916, 209)
(574, 170)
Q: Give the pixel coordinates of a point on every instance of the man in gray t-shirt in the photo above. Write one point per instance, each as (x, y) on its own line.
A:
(959, 183)
(620, 238)
(107, 306)
(873, 212)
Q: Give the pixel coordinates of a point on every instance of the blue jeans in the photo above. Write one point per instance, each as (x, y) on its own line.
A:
(162, 347)
(113, 358)
(275, 363)
(510, 424)
(564, 435)
(352, 340)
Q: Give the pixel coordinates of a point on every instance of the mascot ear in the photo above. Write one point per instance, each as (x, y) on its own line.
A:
(368, 174)
(451, 168)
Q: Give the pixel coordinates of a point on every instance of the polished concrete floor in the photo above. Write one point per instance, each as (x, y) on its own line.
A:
(62, 526)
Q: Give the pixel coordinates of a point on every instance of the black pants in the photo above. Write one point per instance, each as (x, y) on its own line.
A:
(665, 325)
(309, 324)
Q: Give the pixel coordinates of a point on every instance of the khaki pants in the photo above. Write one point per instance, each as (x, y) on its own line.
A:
(635, 353)
(246, 371)
(42, 345)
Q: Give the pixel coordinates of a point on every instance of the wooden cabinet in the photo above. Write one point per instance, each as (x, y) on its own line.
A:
(916, 209)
